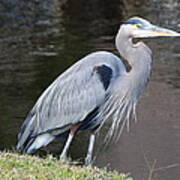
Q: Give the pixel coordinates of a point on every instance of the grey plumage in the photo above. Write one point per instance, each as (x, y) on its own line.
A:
(95, 89)
(71, 97)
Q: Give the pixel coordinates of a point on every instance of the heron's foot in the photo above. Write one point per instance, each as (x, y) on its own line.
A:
(88, 160)
(63, 157)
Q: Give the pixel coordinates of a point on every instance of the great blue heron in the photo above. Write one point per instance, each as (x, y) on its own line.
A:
(96, 88)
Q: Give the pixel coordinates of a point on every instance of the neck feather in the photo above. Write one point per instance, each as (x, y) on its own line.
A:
(139, 57)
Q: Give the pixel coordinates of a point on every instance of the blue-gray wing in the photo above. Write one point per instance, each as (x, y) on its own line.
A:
(75, 93)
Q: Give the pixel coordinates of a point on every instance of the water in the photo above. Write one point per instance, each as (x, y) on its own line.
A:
(40, 39)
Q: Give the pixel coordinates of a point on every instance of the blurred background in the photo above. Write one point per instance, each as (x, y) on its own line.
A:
(39, 39)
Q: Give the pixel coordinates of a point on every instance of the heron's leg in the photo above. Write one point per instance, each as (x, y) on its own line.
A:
(88, 158)
(72, 132)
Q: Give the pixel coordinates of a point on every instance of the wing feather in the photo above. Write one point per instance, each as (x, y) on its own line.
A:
(72, 96)
(68, 102)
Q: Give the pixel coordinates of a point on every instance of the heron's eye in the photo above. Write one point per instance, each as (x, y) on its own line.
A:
(138, 25)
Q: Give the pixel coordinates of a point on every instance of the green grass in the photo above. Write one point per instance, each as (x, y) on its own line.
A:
(24, 167)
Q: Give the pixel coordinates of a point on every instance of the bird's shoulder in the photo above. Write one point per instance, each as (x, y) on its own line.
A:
(95, 59)
(100, 57)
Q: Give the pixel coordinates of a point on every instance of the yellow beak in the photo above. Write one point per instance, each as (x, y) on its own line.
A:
(154, 31)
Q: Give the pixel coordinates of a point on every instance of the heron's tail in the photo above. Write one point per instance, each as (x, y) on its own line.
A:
(28, 139)
(26, 132)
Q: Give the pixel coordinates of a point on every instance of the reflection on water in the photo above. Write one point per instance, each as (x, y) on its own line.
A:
(40, 39)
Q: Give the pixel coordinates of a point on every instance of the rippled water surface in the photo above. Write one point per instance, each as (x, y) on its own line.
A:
(40, 39)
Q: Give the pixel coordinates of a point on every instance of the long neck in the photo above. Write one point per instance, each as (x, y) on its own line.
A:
(124, 45)
(139, 57)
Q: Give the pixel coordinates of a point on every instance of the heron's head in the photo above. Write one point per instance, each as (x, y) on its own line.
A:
(140, 28)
